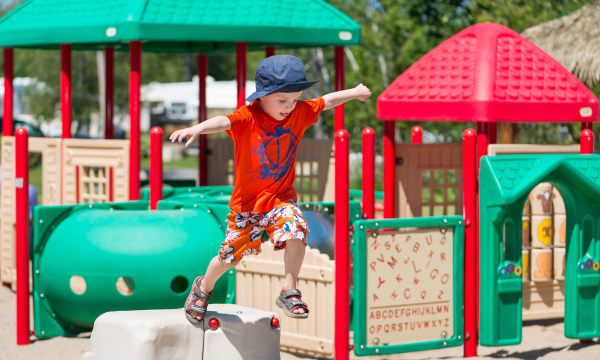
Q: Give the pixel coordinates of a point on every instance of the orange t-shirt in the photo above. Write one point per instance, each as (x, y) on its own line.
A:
(265, 154)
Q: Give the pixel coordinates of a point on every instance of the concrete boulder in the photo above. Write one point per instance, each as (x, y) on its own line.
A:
(242, 333)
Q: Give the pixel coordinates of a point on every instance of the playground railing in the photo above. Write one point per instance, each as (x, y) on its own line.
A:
(314, 167)
(259, 280)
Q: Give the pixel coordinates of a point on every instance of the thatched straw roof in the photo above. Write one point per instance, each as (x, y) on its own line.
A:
(573, 40)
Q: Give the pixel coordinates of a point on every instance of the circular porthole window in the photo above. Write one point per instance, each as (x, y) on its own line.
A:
(179, 284)
(125, 285)
(77, 284)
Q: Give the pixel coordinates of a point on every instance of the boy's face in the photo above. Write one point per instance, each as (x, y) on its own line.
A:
(280, 105)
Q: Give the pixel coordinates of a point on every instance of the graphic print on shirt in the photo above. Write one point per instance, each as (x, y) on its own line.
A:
(273, 147)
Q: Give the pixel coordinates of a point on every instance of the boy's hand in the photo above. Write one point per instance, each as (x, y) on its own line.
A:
(179, 135)
(334, 99)
(362, 92)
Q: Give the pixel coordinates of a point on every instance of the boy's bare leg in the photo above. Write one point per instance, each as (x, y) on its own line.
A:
(216, 268)
(294, 255)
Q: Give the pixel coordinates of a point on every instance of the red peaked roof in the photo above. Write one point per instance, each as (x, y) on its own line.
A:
(487, 72)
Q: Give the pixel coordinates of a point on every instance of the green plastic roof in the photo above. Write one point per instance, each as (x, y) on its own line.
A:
(198, 26)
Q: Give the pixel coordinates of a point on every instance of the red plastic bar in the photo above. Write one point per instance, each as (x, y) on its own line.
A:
(587, 141)
(7, 126)
(342, 244)
(135, 78)
(389, 170)
(156, 171)
(368, 173)
(65, 89)
(470, 271)
(269, 51)
(22, 229)
(339, 86)
(109, 75)
(241, 49)
(202, 161)
(587, 125)
(416, 135)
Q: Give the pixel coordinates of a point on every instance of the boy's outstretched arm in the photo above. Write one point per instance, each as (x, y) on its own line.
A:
(212, 125)
(332, 100)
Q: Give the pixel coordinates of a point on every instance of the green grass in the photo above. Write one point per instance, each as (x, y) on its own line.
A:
(35, 179)
(190, 162)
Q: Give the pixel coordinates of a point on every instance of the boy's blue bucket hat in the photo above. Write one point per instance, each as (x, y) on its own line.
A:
(279, 73)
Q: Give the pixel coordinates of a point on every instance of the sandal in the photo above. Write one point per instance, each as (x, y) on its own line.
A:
(190, 302)
(285, 302)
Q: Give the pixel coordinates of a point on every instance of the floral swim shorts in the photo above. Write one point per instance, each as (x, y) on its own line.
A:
(244, 231)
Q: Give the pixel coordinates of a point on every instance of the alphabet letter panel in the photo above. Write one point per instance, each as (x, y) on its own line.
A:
(409, 286)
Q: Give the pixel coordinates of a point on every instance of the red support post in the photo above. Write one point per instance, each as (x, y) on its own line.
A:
(7, 125)
(135, 78)
(587, 142)
(202, 115)
(65, 89)
(109, 80)
(587, 125)
(470, 271)
(389, 169)
(156, 170)
(22, 236)
(339, 86)
(269, 51)
(342, 244)
(368, 173)
(416, 135)
(241, 49)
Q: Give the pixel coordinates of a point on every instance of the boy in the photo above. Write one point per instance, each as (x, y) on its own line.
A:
(266, 134)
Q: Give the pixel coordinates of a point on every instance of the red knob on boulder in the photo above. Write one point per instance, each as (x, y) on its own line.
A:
(274, 322)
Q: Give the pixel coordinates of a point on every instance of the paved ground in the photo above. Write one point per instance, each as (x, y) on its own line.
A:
(540, 341)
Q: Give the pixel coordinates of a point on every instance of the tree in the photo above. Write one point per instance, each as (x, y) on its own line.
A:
(520, 15)
(396, 33)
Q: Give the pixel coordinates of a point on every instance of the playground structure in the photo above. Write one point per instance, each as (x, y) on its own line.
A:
(392, 105)
(64, 292)
(138, 22)
(487, 73)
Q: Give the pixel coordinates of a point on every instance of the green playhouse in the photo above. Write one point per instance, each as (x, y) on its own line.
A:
(506, 182)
